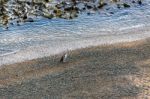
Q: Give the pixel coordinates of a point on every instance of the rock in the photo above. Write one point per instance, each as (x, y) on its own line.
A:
(58, 12)
(89, 7)
(29, 20)
(118, 6)
(133, 1)
(49, 16)
(101, 5)
(88, 13)
(126, 5)
(68, 9)
(139, 2)
(11, 23)
(114, 0)
(111, 12)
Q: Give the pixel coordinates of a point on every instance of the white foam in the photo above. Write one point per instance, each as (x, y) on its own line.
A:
(132, 27)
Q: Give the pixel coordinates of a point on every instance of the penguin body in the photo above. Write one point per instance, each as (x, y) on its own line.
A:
(64, 58)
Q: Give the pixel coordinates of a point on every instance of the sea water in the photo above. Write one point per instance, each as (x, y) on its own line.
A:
(46, 37)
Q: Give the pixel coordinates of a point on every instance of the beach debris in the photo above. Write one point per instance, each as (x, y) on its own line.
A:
(64, 58)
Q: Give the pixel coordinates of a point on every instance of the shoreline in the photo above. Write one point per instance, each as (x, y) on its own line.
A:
(60, 47)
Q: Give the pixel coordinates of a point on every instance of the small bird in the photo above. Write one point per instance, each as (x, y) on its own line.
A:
(64, 58)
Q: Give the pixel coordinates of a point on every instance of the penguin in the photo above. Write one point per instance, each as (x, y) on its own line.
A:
(64, 58)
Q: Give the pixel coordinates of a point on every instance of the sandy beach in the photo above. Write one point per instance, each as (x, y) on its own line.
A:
(116, 71)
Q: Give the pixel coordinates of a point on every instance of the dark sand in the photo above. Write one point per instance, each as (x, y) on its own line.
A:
(118, 71)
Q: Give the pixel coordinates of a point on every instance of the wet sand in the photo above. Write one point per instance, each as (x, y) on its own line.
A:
(116, 71)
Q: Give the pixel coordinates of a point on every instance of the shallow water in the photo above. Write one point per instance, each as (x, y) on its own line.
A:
(46, 37)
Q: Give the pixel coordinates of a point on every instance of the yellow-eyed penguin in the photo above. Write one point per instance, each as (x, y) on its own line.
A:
(64, 58)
